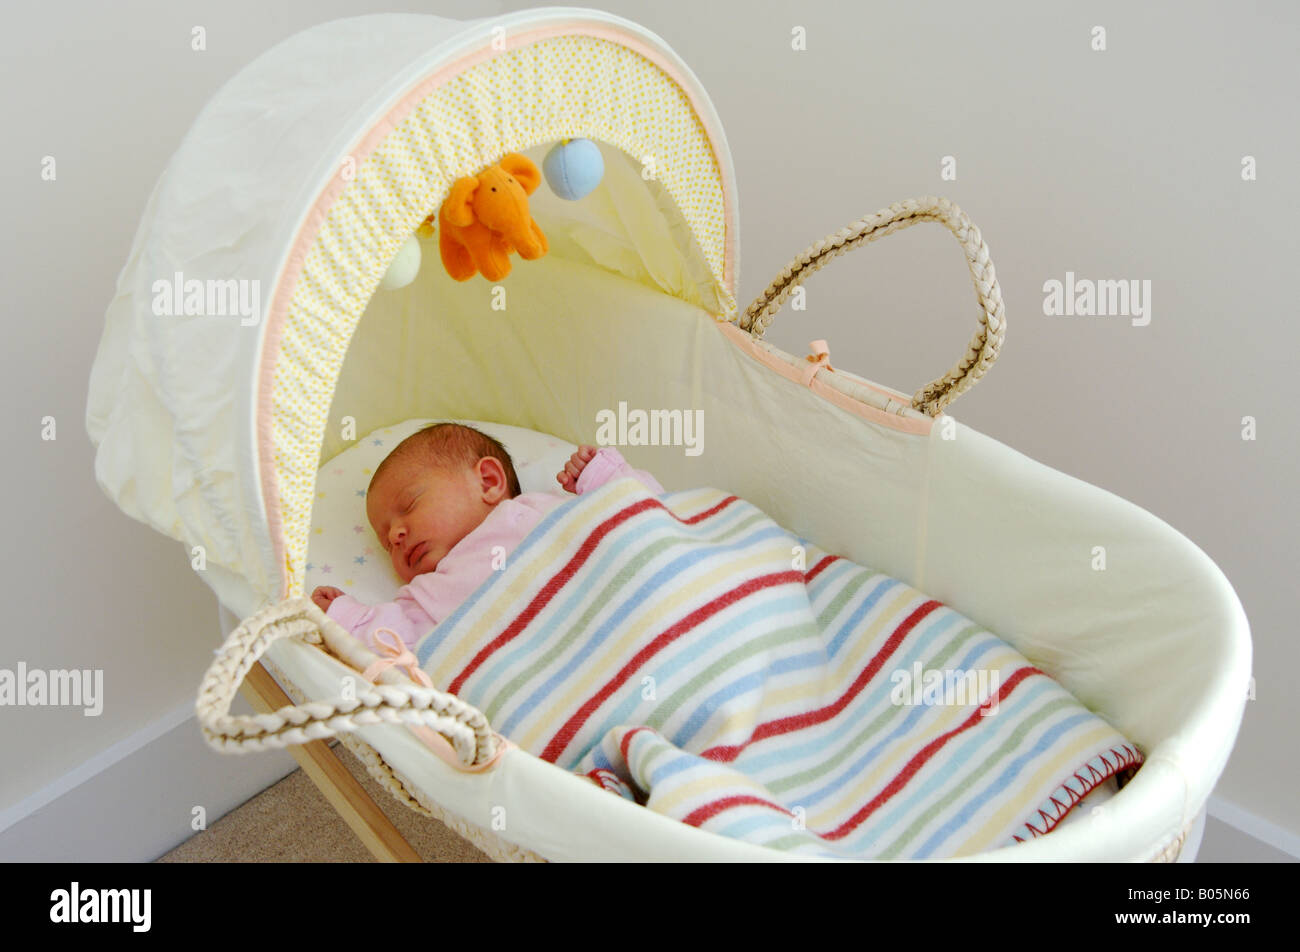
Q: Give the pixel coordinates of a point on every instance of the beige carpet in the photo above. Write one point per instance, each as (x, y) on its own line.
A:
(291, 822)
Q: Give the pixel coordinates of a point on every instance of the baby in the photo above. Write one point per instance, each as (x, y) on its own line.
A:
(441, 503)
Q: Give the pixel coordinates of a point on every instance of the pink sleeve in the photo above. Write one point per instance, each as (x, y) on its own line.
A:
(608, 464)
(404, 616)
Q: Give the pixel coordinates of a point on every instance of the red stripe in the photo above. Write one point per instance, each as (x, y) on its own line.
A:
(701, 516)
(565, 575)
(926, 752)
(709, 811)
(571, 727)
(1127, 756)
(914, 765)
(785, 725)
(625, 744)
(821, 567)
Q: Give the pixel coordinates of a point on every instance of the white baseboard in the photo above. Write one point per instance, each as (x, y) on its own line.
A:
(101, 761)
(136, 800)
(1248, 824)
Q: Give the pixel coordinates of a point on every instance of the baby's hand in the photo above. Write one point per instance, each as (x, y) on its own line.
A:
(568, 477)
(324, 596)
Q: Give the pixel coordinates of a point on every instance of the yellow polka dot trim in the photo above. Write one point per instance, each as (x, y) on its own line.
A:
(551, 89)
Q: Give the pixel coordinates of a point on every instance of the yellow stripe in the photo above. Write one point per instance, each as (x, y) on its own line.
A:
(1047, 779)
(704, 789)
(600, 668)
(796, 697)
(506, 602)
(888, 765)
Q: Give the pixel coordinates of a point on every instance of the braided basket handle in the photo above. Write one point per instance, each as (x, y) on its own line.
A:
(463, 726)
(984, 346)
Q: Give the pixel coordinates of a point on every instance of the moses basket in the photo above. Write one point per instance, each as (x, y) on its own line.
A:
(304, 176)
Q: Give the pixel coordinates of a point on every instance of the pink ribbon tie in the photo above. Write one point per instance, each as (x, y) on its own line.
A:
(818, 359)
(394, 654)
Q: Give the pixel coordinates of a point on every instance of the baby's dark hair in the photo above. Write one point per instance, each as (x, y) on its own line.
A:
(452, 445)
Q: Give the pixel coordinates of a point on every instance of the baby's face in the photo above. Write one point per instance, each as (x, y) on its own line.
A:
(420, 512)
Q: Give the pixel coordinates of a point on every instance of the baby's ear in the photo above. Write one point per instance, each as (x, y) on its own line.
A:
(492, 474)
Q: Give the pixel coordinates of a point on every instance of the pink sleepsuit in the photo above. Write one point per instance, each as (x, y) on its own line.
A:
(429, 598)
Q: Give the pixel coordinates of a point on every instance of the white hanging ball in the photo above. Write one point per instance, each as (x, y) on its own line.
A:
(404, 267)
(574, 168)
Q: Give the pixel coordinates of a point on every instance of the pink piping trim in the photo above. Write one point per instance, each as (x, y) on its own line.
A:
(317, 213)
(884, 391)
(439, 745)
(745, 342)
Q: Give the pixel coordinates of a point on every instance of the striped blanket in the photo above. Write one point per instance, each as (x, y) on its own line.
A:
(688, 653)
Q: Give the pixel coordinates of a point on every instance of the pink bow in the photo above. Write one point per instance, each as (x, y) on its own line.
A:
(395, 653)
(819, 358)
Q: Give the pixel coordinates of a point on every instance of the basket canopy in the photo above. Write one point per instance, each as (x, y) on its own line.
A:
(264, 241)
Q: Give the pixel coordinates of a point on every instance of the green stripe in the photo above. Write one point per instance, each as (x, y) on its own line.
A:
(875, 726)
(1010, 746)
(663, 711)
(798, 838)
(581, 627)
(850, 588)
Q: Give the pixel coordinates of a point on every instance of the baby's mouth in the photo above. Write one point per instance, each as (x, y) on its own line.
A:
(416, 554)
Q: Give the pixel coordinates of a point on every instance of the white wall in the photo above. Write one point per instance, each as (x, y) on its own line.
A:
(1117, 164)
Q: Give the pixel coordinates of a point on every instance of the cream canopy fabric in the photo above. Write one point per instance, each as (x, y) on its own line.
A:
(291, 193)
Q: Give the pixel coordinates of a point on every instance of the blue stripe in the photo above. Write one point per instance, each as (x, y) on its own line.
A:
(879, 830)
(633, 710)
(902, 733)
(534, 641)
(889, 821)
(756, 763)
(1001, 782)
(970, 742)
(539, 532)
(823, 739)
(431, 642)
(635, 601)
(852, 627)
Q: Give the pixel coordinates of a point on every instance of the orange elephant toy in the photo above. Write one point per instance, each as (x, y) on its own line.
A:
(485, 217)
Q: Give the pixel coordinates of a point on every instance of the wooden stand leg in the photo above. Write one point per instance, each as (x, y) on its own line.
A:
(334, 780)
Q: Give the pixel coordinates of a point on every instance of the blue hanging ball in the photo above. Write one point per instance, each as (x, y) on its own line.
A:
(573, 168)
